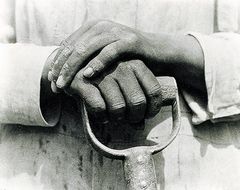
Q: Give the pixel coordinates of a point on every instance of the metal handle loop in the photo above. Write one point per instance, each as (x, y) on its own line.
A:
(170, 97)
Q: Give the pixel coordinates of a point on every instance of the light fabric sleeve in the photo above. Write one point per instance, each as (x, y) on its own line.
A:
(222, 76)
(20, 77)
(7, 21)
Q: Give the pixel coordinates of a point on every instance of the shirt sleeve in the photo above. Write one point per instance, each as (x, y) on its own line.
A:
(222, 76)
(7, 20)
(20, 78)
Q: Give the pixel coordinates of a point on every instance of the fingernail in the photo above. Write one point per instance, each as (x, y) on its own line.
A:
(88, 72)
(50, 76)
(60, 82)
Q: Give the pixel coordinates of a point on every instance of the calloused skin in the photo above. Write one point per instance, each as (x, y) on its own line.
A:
(128, 90)
(100, 46)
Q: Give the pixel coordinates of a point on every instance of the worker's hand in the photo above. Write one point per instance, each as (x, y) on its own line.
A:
(99, 44)
(128, 90)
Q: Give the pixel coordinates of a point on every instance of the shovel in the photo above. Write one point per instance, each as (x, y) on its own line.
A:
(138, 162)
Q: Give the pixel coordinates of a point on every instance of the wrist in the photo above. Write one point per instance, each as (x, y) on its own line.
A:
(189, 59)
(184, 60)
(163, 53)
(175, 54)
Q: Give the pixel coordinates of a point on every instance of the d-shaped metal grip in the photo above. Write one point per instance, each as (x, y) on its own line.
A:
(138, 162)
(139, 169)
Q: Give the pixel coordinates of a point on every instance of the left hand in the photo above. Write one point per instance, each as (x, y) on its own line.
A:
(98, 44)
(127, 91)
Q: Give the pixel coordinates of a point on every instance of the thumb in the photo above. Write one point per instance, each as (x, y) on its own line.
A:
(96, 66)
(103, 60)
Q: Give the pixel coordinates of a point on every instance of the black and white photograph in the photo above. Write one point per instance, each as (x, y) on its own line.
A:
(119, 94)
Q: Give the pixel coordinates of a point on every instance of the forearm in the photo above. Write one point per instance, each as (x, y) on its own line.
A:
(20, 85)
(179, 56)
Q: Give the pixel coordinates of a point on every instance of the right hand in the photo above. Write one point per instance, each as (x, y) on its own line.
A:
(129, 91)
(99, 44)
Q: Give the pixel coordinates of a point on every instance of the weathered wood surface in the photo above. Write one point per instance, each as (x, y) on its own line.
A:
(204, 157)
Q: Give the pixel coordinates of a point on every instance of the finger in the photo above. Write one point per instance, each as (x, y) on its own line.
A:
(52, 76)
(90, 95)
(78, 58)
(59, 51)
(67, 47)
(113, 97)
(133, 94)
(54, 87)
(61, 58)
(109, 54)
(75, 35)
(150, 86)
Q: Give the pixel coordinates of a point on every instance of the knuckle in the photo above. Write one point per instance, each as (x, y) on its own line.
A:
(67, 51)
(56, 68)
(54, 75)
(128, 66)
(79, 77)
(111, 49)
(81, 49)
(56, 64)
(137, 100)
(121, 67)
(155, 91)
(132, 38)
(66, 67)
(64, 43)
(138, 65)
(117, 107)
(107, 80)
(120, 72)
(137, 62)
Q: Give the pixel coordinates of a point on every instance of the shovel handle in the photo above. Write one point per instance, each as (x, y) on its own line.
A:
(139, 170)
(138, 162)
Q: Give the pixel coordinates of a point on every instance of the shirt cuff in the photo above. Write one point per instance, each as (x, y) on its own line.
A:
(221, 58)
(20, 79)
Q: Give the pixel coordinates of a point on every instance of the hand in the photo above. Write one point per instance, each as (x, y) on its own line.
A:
(128, 90)
(98, 44)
